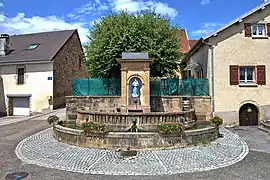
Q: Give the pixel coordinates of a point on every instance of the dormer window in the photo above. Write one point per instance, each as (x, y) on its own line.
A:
(32, 46)
(258, 30)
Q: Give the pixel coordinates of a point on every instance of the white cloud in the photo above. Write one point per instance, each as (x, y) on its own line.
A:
(20, 24)
(1, 4)
(206, 28)
(81, 18)
(93, 8)
(204, 2)
(138, 5)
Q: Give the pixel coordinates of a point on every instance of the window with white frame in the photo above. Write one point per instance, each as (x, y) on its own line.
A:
(247, 74)
(258, 30)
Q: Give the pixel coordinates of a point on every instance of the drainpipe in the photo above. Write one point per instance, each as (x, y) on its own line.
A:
(213, 83)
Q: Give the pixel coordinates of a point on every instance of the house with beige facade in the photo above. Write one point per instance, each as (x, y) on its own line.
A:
(236, 60)
(36, 70)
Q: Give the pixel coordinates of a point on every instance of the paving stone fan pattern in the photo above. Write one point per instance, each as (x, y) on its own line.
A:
(43, 150)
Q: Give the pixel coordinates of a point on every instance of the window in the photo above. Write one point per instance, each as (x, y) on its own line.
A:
(247, 74)
(32, 46)
(20, 78)
(258, 30)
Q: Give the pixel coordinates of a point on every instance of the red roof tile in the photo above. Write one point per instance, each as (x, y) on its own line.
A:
(184, 43)
(192, 43)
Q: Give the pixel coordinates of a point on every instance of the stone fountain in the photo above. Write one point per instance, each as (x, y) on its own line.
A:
(135, 112)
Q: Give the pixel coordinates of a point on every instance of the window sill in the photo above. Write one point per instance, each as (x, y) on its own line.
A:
(260, 37)
(248, 85)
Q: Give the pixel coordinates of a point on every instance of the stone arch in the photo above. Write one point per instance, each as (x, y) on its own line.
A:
(133, 76)
(248, 114)
(134, 90)
(250, 102)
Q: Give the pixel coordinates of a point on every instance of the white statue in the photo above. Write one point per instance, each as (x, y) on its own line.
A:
(135, 89)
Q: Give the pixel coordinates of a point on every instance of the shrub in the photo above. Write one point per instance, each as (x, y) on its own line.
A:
(52, 119)
(170, 127)
(90, 126)
(217, 121)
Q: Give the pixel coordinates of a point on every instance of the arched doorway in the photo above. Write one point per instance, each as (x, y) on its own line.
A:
(248, 115)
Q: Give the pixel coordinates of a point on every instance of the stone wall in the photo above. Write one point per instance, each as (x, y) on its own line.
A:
(146, 121)
(93, 103)
(202, 105)
(139, 140)
(68, 64)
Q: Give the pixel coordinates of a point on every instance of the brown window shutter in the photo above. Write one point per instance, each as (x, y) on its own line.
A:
(261, 78)
(234, 76)
(268, 29)
(247, 29)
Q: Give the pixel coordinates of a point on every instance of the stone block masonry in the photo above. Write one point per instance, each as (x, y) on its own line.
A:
(67, 64)
(202, 105)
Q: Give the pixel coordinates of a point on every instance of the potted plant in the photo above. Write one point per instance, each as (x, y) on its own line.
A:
(93, 128)
(217, 121)
(170, 127)
(130, 152)
(53, 119)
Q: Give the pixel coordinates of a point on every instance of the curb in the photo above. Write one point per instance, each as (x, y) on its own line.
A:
(32, 117)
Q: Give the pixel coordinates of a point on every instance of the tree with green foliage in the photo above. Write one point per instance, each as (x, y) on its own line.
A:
(120, 32)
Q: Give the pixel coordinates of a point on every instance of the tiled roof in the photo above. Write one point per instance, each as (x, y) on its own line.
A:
(184, 44)
(49, 44)
(192, 43)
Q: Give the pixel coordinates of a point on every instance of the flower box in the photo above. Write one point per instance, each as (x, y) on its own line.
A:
(128, 153)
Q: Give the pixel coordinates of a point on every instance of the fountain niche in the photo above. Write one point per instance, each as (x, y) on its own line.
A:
(135, 125)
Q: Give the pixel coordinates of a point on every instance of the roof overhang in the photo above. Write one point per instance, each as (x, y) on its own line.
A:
(24, 62)
(197, 46)
(200, 42)
(239, 19)
(193, 67)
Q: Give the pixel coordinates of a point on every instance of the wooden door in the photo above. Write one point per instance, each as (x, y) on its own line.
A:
(248, 115)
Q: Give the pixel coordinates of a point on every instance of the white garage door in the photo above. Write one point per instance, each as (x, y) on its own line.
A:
(21, 106)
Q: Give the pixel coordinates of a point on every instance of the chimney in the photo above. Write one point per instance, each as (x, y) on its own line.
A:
(4, 44)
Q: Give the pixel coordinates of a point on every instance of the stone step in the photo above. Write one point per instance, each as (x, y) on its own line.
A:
(264, 129)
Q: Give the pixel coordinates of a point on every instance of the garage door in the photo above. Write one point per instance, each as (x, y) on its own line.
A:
(21, 106)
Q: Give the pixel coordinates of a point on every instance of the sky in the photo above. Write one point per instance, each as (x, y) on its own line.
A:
(199, 17)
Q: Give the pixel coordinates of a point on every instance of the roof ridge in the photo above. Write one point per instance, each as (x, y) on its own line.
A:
(44, 32)
(230, 23)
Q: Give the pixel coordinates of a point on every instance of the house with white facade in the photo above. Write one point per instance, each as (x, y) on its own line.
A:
(36, 70)
(236, 60)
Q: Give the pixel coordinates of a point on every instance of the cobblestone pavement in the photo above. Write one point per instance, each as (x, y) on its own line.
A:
(43, 150)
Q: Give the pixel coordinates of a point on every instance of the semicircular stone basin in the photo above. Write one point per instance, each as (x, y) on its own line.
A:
(117, 125)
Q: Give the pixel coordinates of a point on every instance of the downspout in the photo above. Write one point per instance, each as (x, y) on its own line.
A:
(213, 75)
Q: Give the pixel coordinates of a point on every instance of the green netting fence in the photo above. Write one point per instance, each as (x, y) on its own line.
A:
(158, 87)
(178, 87)
(96, 87)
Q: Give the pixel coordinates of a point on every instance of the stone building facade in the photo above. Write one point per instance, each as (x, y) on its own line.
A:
(67, 65)
(240, 56)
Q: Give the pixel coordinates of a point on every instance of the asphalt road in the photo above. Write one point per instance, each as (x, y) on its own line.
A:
(256, 165)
